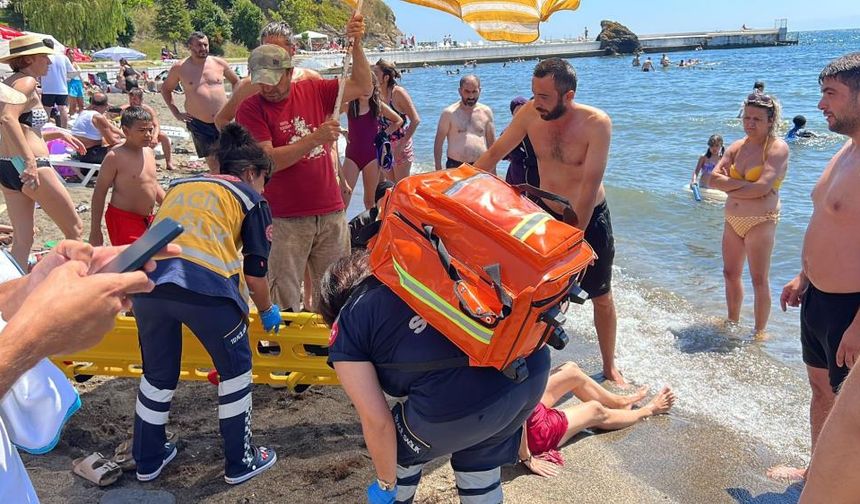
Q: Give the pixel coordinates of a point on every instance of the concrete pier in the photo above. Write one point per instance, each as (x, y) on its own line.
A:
(498, 52)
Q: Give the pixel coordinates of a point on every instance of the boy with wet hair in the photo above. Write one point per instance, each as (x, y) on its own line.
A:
(130, 170)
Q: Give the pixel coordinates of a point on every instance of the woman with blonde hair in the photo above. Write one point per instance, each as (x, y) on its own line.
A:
(26, 175)
(751, 173)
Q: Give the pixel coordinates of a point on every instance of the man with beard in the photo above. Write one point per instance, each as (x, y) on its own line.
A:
(293, 123)
(571, 141)
(202, 77)
(828, 285)
(468, 126)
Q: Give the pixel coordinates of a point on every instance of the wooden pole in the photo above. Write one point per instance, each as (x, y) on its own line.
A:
(347, 65)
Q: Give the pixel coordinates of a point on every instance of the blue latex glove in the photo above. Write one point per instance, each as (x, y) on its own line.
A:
(376, 495)
(271, 319)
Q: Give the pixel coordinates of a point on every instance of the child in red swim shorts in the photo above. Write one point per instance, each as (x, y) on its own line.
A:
(130, 170)
(548, 428)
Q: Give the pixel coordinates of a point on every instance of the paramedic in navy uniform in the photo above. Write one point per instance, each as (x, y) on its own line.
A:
(474, 414)
(225, 250)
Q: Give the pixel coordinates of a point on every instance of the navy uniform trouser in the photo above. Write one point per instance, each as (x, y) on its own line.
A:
(222, 328)
(479, 443)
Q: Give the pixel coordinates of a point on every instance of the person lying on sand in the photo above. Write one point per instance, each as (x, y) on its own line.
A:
(548, 428)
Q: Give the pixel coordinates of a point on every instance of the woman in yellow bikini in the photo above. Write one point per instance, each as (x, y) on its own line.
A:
(751, 172)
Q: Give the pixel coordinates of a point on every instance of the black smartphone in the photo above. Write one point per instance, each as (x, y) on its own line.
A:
(135, 256)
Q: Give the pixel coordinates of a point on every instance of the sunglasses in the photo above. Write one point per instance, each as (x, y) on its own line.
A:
(762, 100)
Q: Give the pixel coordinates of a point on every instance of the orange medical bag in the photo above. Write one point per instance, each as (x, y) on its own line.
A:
(481, 263)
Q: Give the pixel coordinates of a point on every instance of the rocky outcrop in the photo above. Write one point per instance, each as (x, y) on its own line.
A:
(615, 38)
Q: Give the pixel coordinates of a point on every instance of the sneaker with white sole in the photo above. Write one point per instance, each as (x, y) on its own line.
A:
(169, 454)
(264, 458)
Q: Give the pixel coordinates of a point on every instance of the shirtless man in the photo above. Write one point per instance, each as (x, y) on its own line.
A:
(828, 285)
(468, 126)
(571, 141)
(202, 77)
(135, 99)
(648, 65)
(130, 170)
(275, 33)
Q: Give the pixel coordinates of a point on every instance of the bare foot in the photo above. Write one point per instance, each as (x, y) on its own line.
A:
(761, 335)
(786, 473)
(614, 375)
(662, 402)
(169, 167)
(627, 401)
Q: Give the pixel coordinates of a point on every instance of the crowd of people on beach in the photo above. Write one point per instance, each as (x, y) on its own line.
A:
(267, 224)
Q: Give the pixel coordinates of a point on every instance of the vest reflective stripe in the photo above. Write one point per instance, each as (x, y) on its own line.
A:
(248, 204)
(439, 305)
(212, 211)
(529, 225)
(461, 184)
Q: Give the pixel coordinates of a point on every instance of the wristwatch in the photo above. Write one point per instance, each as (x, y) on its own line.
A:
(385, 485)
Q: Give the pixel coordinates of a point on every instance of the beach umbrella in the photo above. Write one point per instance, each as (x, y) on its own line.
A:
(117, 53)
(500, 20)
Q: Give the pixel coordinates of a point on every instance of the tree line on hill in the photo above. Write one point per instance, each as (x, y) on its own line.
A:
(93, 24)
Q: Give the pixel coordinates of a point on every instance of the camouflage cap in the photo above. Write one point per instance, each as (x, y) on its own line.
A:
(268, 63)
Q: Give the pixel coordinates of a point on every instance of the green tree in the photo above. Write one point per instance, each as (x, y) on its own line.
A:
(248, 20)
(126, 37)
(299, 14)
(214, 22)
(173, 23)
(84, 23)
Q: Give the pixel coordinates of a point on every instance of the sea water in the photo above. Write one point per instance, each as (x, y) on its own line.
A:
(668, 278)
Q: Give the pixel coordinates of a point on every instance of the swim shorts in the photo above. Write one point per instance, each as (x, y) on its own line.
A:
(76, 88)
(545, 428)
(452, 163)
(49, 100)
(598, 277)
(204, 134)
(94, 155)
(125, 227)
(824, 318)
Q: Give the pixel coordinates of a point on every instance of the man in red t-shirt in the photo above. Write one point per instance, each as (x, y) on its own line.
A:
(294, 123)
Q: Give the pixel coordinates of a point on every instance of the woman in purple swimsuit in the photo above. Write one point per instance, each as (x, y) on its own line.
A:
(365, 121)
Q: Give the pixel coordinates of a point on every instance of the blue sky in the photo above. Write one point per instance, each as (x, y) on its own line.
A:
(650, 17)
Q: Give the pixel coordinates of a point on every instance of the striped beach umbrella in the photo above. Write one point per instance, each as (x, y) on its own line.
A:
(500, 20)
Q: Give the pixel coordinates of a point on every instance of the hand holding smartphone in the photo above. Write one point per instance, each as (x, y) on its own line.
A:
(135, 256)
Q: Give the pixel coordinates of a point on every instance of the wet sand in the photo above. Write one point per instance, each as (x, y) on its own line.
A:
(322, 457)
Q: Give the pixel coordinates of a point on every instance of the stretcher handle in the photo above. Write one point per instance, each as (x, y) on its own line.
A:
(568, 213)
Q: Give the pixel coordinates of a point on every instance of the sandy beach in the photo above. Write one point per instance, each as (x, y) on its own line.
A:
(322, 457)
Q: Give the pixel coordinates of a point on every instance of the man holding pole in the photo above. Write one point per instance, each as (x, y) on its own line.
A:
(295, 124)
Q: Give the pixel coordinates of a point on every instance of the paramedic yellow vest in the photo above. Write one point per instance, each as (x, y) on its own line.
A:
(211, 210)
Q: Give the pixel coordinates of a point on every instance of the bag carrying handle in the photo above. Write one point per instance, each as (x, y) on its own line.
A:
(468, 301)
(568, 213)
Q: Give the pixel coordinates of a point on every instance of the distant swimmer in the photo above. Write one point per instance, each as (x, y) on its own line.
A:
(648, 65)
(828, 288)
(571, 141)
(467, 125)
(758, 88)
(708, 161)
(799, 130)
(665, 61)
(636, 62)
